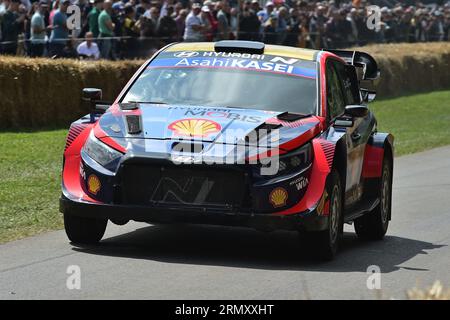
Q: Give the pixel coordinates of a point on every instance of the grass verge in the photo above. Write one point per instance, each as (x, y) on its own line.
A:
(418, 122)
(30, 162)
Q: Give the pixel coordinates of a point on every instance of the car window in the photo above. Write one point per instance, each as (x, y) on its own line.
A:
(262, 83)
(335, 97)
(348, 78)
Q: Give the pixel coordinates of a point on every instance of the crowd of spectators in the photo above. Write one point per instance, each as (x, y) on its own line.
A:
(118, 29)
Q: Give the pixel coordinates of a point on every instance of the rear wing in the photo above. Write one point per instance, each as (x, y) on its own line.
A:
(366, 69)
(361, 60)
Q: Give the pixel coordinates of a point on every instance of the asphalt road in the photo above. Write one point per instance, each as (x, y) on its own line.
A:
(141, 261)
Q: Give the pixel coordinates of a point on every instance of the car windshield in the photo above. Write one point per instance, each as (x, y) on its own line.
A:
(192, 84)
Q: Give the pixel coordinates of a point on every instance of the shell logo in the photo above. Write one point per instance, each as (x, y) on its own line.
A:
(278, 197)
(194, 127)
(94, 184)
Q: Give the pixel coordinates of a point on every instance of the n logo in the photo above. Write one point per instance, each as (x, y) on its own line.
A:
(194, 190)
(282, 60)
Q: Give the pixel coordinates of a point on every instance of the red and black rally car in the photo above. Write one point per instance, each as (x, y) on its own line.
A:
(234, 133)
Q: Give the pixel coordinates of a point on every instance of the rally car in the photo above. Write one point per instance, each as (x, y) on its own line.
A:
(234, 133)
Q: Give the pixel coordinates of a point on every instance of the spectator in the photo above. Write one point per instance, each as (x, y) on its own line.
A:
(265, 14)
(317, 28)
(69, 50)
(293, 29)
(148, 24)
(180, 20)
(93, 17)
(249, 24)
(130, 29)
(88, 49)
(55, 7)
(106, 27)
(223, 29)
(166, 4)
(283, 17)
(38, 30)
(209, 14)
(12, 24)
(436, 29)
(233, 23)
(194, 26)
(270, 30)
(60, 33)
(117, 17)
(167, 27)
(207, 27)
(143, 6)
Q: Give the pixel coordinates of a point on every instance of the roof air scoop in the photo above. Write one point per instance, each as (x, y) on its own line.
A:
(237, 46)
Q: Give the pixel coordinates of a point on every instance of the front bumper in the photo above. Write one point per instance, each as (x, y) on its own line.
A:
(304, 221)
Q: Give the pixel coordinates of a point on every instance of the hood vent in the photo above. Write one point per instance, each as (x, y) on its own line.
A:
(129, 106)
(134, 124)
(287, 116)
(261, 132)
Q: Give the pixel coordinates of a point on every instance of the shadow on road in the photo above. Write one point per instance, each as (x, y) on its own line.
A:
(245, 248)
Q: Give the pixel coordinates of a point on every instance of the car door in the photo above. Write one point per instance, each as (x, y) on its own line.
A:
(343, 85)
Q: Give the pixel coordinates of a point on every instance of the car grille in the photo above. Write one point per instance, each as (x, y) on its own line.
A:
(183, 185)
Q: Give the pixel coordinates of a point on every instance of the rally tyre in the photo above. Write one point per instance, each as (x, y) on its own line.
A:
(324, 244)
(374, 225)
(82, 230)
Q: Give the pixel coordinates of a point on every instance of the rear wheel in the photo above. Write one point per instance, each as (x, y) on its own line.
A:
(324, 244)
(374, 225)
(81, 230)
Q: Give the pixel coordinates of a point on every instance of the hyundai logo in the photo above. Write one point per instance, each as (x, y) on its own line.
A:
(186, 54)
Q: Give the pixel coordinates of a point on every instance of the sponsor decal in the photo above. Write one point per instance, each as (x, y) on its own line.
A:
(94, 184)
(82, 172)
(278, 197)
(194, 127)
(300, 183)
(284, 60)
(233, 55)
(186, 54)
(323, 203)
(223, 114)
(236, 63)
(192, 190)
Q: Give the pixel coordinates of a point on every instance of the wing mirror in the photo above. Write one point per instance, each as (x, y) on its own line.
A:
(93, 97)
(356, 111)
(92, 94)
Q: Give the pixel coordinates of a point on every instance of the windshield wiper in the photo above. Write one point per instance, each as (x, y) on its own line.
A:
(148, 102)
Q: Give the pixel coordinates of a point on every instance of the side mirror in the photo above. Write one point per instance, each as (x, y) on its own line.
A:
(93, 97)
(356, 111)
(92, 94)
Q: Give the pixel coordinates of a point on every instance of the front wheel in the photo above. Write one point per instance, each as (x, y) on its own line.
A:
(324, 244)
(81, 230)
(374, 225)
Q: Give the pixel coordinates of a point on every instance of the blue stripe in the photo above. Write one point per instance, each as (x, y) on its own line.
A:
(248, 64)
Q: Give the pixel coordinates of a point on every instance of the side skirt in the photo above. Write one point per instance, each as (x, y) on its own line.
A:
(360, 209)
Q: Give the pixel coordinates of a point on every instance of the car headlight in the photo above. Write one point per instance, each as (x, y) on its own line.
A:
(291, 162)
(99, 151)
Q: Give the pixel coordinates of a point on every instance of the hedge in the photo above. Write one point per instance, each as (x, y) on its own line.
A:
(42, 92)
